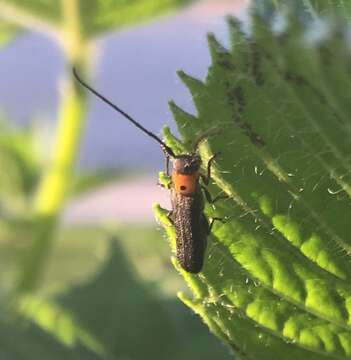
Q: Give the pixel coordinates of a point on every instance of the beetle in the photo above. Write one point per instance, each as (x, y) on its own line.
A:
(187, 216)
(191, 225)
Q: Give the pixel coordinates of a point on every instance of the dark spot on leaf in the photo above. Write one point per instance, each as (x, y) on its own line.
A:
(299, 80)
(236, 98)
(302, 82)
(325, 55)
(239, 97)
(255, 64)
(224, 60)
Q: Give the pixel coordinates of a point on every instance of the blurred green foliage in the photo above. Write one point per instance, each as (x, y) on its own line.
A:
(101, 297)
(69, 293)
(96, 297)
(95, 16)
(23, 165)
(7, 31)
(315, 8)
(74, 24)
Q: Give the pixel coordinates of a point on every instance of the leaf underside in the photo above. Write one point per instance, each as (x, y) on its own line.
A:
(276, 281)
(97, 16)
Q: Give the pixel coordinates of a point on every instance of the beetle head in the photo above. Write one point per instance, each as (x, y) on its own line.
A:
(187, 164)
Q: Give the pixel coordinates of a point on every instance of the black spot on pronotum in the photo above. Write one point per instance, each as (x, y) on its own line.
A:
(183, 187)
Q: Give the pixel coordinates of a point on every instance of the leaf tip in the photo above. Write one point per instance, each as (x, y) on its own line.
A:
(214, 45)
(172, 106)
(219, 54)
(159, 212)
(182, 117)
(182, 75)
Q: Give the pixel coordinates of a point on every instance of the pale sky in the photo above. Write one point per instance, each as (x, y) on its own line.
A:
(136, 68)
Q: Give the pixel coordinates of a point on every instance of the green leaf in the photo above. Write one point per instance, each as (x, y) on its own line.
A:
(48, 10)
(130, 319)
(315, 7)
(26, 341)
(93, 16)
(7, 32)
(276, 280)
(106, 15)
(19, 158)
(56, 321)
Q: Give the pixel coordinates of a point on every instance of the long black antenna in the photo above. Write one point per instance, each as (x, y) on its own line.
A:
(166, 149)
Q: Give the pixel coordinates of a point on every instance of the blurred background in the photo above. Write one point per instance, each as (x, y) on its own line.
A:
(78, 238)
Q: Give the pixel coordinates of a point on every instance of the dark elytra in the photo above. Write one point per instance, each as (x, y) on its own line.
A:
(191, 228)
(187, 216)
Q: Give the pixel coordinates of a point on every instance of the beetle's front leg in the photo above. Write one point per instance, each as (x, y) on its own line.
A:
(206, 178)
(167, 165)
(170, 216)
(209, 198)
(213, 220)
(208, 225)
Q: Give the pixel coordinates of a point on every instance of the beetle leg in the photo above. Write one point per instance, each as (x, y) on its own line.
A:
(205, 136)
(213, 220)
(209, 198)
(205, 224)
(167, 165)
(207, 194)
(206, 178)
(170, 217)
(219, 197)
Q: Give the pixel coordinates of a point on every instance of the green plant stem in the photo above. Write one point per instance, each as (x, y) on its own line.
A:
(54, 186)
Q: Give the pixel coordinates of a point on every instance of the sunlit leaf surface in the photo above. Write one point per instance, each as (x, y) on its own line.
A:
(276, 281)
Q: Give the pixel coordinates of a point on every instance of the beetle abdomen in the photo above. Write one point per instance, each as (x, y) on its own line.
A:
(190, 231)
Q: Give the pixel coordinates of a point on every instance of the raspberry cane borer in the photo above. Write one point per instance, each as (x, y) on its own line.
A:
(191, 225)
